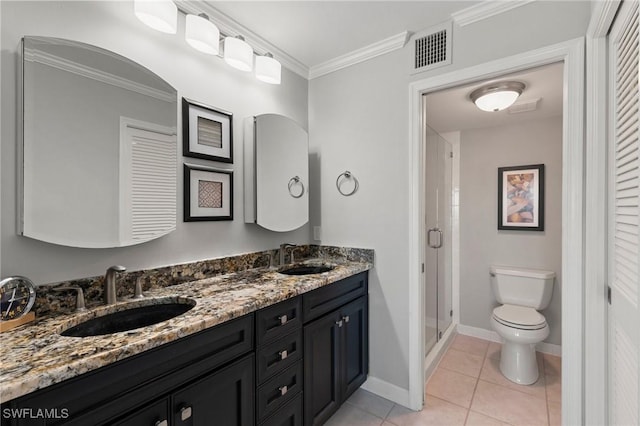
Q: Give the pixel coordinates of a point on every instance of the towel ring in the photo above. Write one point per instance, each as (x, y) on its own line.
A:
(293, 181)
(347, 175)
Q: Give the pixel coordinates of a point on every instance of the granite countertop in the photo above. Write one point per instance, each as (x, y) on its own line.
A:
(35, 356)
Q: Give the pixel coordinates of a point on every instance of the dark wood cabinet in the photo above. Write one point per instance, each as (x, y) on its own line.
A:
(336, 353)
(279, 368)
(289, 415)
(355, 347)
(224, 398)
(321, 369)
(154, 414)
(126, 391)
(288, 364)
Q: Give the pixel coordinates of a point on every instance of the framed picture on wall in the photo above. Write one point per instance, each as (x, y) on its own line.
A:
(521, 198)
(208, 193)
(207, 133)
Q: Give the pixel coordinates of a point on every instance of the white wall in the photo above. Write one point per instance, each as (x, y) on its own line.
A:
(358, 120)
(113, 26)
(482, 151)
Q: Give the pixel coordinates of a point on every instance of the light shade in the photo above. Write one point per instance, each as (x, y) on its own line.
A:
(268, 69)
(202, 34)
(497, 96)
(161, 15)
(238, 53)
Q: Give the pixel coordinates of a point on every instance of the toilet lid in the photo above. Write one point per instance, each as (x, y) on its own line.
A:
(519, 317)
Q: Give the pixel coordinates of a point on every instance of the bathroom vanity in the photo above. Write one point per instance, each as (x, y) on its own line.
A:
(258, 348)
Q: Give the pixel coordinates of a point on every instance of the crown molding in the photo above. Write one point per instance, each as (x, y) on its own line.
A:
(360, 55)
(230, 27)
(38, 56)
(485, 10)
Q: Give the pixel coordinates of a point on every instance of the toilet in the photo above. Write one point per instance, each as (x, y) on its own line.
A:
(521, 293)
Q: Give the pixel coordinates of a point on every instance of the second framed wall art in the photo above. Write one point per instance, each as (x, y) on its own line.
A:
(208, 193)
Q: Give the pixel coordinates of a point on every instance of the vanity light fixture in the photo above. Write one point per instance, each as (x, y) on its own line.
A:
(202, 34)
(238, 53)
(497, 96)
(268, 69)
(161, 15)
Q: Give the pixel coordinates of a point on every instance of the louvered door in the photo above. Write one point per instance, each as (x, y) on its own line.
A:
(624, 211)
(148, 183)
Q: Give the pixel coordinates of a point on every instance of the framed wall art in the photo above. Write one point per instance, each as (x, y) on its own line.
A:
(207, 133)
(208, 193)
(521, 198)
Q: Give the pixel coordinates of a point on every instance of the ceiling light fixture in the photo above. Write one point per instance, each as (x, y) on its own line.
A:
(497, 96)
(238, 53)
(268, 69)
(161, 15)
(202, 34)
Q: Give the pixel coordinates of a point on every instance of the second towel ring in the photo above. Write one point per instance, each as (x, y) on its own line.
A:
(347, 175)
(293, 181)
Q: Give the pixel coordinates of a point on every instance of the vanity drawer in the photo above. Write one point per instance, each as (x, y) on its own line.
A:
(277, 391)
(278, 355)
(325, 299)
(288, 415)
(275, 321)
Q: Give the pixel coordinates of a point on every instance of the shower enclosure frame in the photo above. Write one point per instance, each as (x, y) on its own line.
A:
(441, 185)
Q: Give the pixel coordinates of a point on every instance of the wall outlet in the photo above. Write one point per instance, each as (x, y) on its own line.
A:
(317, 233)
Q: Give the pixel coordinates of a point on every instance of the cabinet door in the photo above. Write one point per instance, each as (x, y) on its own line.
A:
(154, 414)
(223, 398)
(321, 369)
(355, 345)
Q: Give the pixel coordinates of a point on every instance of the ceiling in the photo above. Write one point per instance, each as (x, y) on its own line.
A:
(452, 110)
(314, 32)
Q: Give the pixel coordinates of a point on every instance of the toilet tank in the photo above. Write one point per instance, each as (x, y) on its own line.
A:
(521, 286)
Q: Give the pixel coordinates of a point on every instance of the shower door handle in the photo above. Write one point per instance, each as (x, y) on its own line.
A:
(439, 243)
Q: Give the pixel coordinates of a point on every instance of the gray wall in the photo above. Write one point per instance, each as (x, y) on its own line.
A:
(359, 121)
(482, 151)
(113, 26)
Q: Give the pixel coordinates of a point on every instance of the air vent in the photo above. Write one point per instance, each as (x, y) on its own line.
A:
(432, 48)
(525, 106)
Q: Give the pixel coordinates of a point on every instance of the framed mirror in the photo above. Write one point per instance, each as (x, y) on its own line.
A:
(98, 150)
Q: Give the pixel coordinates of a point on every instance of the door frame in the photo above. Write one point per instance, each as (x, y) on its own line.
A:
(572, 54)
(596, 323)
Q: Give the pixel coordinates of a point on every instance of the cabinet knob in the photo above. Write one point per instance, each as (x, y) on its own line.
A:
(161, 423)
(339, 323)
(345, 318)
(185, 413)
(283, 319)
(283, 354)
(283, 390)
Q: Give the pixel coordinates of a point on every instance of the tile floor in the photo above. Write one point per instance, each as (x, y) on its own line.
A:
(467, 388)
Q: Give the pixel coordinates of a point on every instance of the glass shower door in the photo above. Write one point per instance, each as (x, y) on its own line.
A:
(438, 187)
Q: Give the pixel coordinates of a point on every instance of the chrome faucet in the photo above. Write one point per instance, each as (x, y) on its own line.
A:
(283, 248)
(110, 284)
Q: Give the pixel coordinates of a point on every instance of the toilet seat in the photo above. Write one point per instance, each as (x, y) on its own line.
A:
(520, 317)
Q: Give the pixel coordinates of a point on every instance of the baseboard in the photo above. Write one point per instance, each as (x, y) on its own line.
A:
(481, 333)
(549, 348)
(387, 390)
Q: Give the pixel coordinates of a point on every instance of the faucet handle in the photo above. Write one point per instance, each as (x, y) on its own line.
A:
(80, 306)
